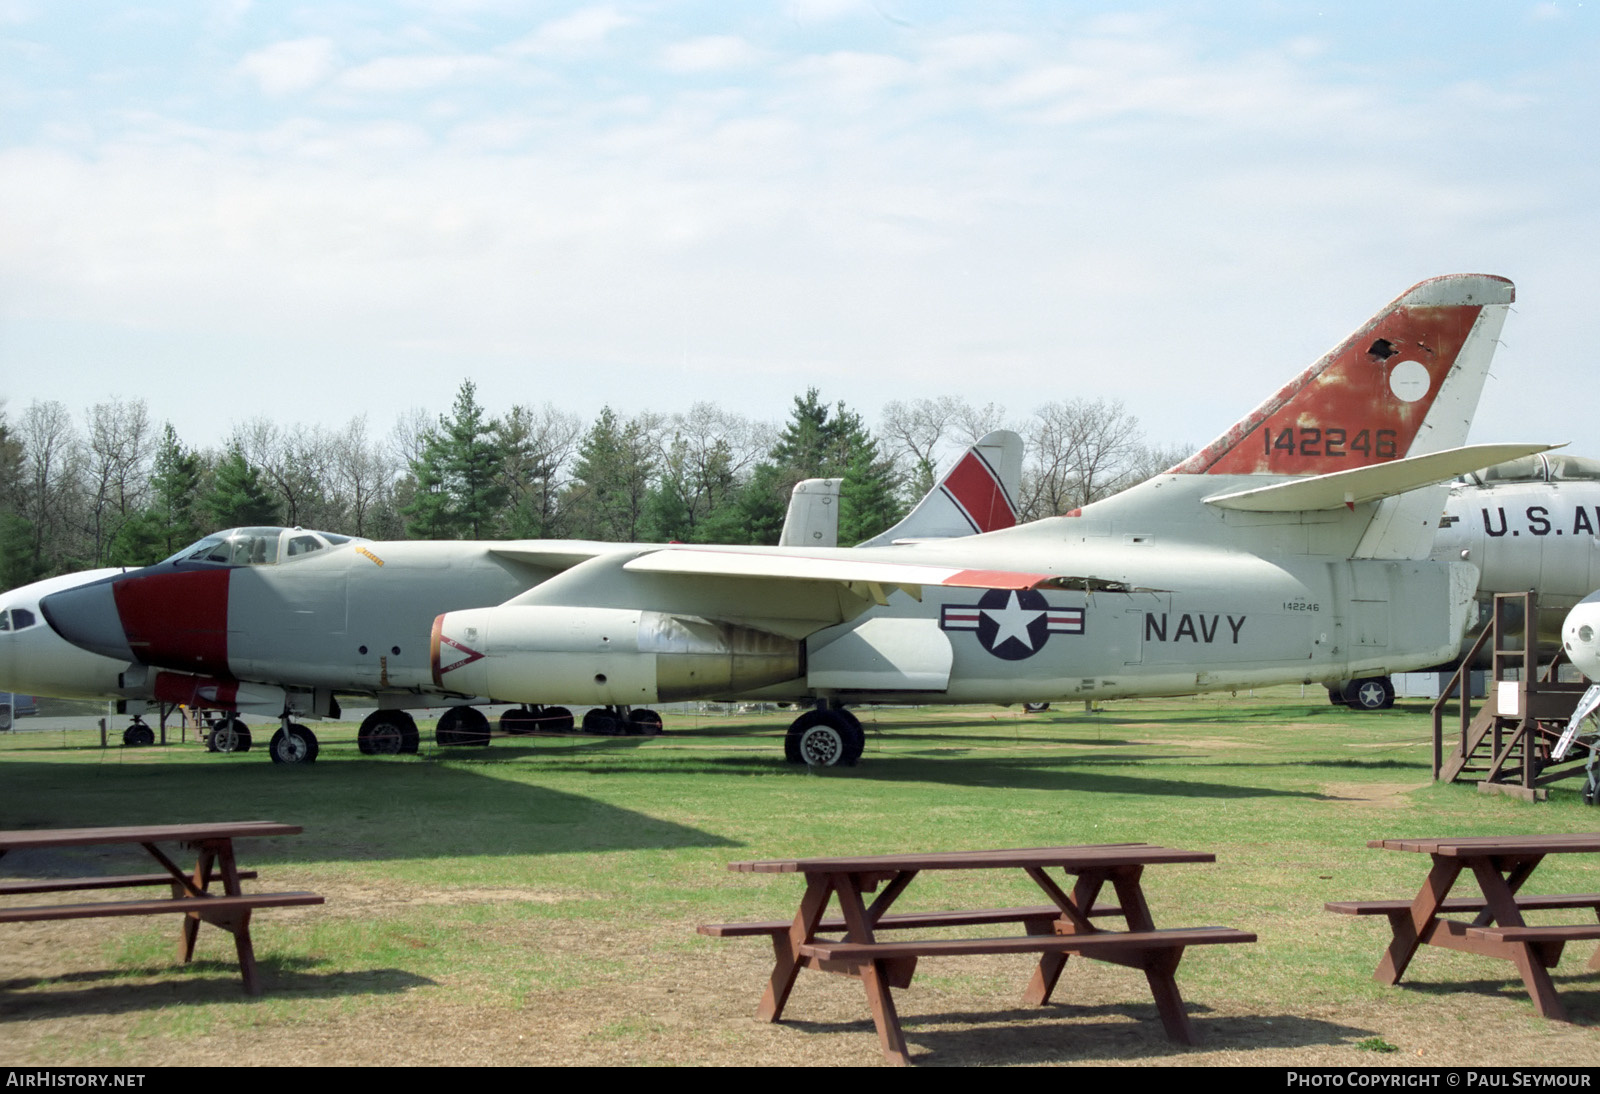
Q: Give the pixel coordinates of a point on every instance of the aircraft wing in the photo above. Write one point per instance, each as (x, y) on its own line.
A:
(555, 554)
(858, 576)
(1382, 480)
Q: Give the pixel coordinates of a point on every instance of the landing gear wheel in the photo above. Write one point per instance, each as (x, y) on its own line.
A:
(293, 744)
(520, 720)
(1035, 708)
(138, 735)
(466, 726)
(603, 721)
(644, 723)
(825, 738)
(387, 733)
(1336, 696)
(229, 735)
(555, 720)
(1376, 693)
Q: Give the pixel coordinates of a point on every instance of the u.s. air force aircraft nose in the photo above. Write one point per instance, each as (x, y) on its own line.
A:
(36, 660)
(1580, 635)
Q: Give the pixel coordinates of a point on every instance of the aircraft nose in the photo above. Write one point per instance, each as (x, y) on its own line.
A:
(87, 617)
(1580, 634)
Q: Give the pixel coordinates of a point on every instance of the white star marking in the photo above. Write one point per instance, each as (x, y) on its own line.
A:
(1013, 622)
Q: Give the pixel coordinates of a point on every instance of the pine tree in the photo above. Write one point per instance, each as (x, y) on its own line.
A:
(819, 443)
(238, 496)
(458, 492)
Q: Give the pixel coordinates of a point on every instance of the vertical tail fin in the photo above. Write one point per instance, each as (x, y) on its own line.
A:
(1404, 384)
(974, 496)
(813, 516)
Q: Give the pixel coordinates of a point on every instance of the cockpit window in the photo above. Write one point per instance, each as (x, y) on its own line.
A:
(258, 546)
(1573, 468)
(16, 619)
(1550, 467)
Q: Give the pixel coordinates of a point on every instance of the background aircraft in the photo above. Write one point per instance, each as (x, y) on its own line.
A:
(1293, 548)
(1530, 523)
(282, 621)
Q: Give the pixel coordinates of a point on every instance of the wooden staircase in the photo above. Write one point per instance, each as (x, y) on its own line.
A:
(1505, 749)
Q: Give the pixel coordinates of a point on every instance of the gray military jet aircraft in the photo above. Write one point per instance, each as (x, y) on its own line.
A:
(1294, 548)
(283, 621)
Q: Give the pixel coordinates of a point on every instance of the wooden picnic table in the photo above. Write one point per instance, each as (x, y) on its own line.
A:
(1500, 865)
(191, 892)
(1054, 931)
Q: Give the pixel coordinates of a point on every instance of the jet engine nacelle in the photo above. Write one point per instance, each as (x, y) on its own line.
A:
(604, 656)
(1580, 635)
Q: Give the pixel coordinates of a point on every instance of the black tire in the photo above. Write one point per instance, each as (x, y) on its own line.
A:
(644, 722)
(825, 738)
(463, 726)
(555, 720)
(520, 720)
(138, 736)
(1336, 695)
(387, 733)
(229, 735)
(602, 722)
(1035, 708)
(1374, 693)
(293, 744)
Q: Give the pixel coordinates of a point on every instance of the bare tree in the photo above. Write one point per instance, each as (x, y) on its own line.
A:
(362, 476)
(116, 468)
(296, 463)
(48, 483)
(1078, 452)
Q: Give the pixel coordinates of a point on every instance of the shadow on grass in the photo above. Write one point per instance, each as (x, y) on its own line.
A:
(1066, 773)
(368, 811)
(121, 991)
(1064, 1032)
(1579, 991)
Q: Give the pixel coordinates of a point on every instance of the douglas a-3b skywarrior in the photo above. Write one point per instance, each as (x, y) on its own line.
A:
(1294, 548)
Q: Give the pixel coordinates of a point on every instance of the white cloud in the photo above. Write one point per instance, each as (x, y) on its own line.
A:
(719, 53)
(284, 68)
(575, 33)
(396, 74)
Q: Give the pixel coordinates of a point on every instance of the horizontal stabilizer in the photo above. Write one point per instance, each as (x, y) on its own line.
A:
(1383, 480)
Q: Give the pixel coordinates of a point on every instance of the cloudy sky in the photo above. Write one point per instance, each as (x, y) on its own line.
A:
(312, 211)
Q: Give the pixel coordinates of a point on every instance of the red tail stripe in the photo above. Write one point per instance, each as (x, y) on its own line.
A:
(976, 489)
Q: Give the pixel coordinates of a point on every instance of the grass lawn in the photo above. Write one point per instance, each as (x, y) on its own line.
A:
(535, 902)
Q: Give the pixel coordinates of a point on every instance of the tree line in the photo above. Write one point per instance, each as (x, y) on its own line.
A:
(110, 488)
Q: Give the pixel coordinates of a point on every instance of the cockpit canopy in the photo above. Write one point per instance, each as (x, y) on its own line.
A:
(1548, 467)
(259, 546)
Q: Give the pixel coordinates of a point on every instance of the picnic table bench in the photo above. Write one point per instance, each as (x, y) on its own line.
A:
(1500, 865)
(1054, 931)
(191, 893)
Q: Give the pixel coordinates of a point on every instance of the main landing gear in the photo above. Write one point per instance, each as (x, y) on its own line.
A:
(138, 735)
(292, 744)
(536, 719)
(1373, 693)
(825, 737)
(387, 733)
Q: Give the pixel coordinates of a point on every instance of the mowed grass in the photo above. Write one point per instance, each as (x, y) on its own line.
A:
(535, 901)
